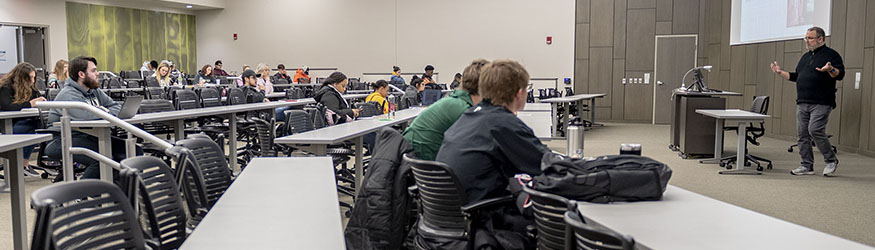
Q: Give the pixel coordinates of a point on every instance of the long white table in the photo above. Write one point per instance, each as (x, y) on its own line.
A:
(6, 117)
(686, 220)
(319, 139)
(733, 115)
(275, 203)
(538, 116)
(11, 149)
(555, 102)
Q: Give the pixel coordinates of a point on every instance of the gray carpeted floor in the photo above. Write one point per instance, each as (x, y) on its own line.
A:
(836, 205)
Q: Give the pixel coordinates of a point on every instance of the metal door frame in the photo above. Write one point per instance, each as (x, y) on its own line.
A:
(656, 65)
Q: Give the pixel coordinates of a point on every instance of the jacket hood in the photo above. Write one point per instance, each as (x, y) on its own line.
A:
(321, 92)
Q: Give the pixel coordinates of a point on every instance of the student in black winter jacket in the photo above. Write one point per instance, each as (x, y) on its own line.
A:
(330, 96)
(17, 91)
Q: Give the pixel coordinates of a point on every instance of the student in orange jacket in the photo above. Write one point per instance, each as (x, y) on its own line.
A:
(303, 72)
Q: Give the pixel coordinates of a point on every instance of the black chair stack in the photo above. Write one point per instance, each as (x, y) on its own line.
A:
(204, 175)
(549, 210)
(154, 183)
(592, 237)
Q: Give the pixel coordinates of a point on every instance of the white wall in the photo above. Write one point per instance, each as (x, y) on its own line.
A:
(372, 36)
(46, 13)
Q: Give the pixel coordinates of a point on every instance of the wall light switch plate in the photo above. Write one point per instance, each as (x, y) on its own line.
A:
(624, 81)
(857, 80)
(646, 78)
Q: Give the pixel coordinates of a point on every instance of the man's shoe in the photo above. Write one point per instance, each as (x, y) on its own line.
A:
(802, 170)
(28, 171)
(830, 168)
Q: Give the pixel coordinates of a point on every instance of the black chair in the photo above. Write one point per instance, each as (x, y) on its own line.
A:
(86, 214)
(591, 237)
(444, 211)
(236, 96)
(369, 109)
(210, 97)
(154, 183)
(753, 132)
(205, 176)
(549, 210)
(52, 93)
(186, 99)
(153, 88)
(41, 84)
(129, 74)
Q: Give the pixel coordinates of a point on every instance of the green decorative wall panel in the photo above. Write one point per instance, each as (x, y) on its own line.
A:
(122, 38)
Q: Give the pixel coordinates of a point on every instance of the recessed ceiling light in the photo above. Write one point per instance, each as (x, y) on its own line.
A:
(188, 6)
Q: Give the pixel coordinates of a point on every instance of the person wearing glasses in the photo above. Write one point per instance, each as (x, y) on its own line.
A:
(218, 71)
(816, 75)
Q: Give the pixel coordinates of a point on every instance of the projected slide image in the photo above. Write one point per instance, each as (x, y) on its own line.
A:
(800, 12)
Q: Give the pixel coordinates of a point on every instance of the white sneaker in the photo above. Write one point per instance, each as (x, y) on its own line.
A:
(29, 171)
(830, 168)
(802, 170)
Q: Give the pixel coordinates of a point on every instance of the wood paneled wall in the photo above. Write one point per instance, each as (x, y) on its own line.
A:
(615, 39)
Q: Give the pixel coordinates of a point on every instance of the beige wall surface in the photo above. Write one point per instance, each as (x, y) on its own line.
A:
(371, 36)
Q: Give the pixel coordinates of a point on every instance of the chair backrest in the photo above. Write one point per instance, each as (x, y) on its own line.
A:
(303, 80)
(159, 197)
(186, 99)
(152, 82)
(441, 197)
(116, 83)
(320, 80)
(298, 121)
(592, 237)
(280, 81)
(41, 84)
(236, 96)
(369, 109)
(127, 74)
(318, 116)
(569, 91)
(760, 104)
(86, 214)
(549, 218)
(207, 176)
(210, 97)
(264, 136)
(52, 93)
(155, 105)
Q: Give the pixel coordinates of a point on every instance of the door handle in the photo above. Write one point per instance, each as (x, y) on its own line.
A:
(659, 82)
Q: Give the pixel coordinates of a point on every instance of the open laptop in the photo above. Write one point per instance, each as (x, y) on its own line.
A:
(430, 96)
(130, 107)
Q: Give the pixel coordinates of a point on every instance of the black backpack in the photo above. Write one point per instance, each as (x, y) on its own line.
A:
(603, 179)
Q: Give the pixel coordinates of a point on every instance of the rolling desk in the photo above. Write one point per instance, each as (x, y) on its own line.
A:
(555, 102)
(733, 115)
(11, 149)
(685, 220)
(687, 136)
(275, 203)
(319, 139)
(7, 117)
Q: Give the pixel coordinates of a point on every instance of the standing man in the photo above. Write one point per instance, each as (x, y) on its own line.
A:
(816, 75)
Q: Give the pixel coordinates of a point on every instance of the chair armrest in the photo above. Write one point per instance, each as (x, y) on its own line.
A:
(467, 209)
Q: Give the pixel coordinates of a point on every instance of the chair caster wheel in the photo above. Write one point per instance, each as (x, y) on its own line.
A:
(728, 166)
(759, 168)
(769, 166)
(790, 150)
(722, 164)
(747, 164)
(44, 175)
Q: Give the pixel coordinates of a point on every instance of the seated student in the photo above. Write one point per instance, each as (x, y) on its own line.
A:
(457, 80)
(250, 87)
(302, 75)
(59, 75)
(264, 83)
(331, 97)
(489, 144)
(397, 80)
(149, 66)
(175, 75)
(82, 86)
(426, 132)
(412, 95)
(163, 75)
(206, 75)
(381, 90)
(281, 73)
(240, 81)
(218, 71)
(18, 91)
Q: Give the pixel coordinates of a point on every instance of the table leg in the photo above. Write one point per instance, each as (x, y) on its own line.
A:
(555, 119)
(130, 146)
(718, 144)
(179, 129)
(565, 119)
(232, 143)
(359, 169)
(16, 182)
(739, 163)
(4, 187)
(104, 145)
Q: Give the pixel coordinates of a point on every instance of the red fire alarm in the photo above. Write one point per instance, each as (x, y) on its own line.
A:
(549, 40)
(235, 36)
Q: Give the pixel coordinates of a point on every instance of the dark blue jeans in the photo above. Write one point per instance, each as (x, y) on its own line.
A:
(25, 126)
(92, 166)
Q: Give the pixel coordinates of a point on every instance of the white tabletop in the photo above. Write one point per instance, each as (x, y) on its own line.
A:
(275, 203)
(686, 220)
(573, 98)
(346, 131)
(276, 95)
(298, 85)
(530, 107)
(732, 114)
(191, 113)
(28, 112)
(696, 93)
(13, 142)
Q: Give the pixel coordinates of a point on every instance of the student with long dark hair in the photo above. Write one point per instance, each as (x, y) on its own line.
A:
(331, 97)
(18, 91)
